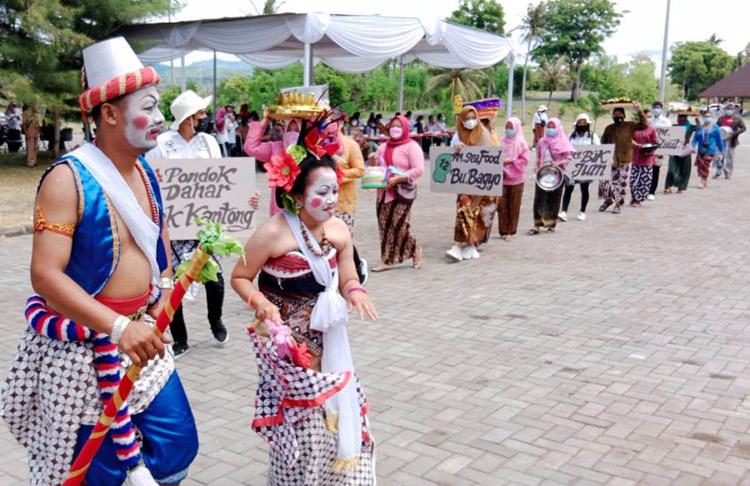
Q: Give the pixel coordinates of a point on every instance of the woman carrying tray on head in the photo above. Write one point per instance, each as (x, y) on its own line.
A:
(310, 407)
(552, 149)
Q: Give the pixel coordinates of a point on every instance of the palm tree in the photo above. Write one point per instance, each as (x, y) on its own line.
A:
(714, 40)
(554, 74)
(532, 25)
(464, 82)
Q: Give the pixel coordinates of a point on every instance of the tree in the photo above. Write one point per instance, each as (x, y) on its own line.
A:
(697, 65)
(464, 82)
(532, 25)
(640, 82)
(554, 74)
(714, 40)
(41, 43)
(576, 29)
(482, 14)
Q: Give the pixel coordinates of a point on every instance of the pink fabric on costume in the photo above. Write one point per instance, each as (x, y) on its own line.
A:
(558, 146)
(644, 136)
(221, 114)
(516, 149)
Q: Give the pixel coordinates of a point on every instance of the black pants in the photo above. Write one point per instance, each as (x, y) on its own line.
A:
(214, 301)
(654, 180)
(584, 196)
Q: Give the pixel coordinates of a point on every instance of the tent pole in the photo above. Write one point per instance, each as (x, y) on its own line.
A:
(183, 80)
(214, 86)
(401, 83)
(511, 72)
(663, 76)
(307, 75)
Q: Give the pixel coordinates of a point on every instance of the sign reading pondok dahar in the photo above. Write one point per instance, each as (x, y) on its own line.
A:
(213, 189)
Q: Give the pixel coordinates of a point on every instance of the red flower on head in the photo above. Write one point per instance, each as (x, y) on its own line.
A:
(282, 171)
(314, 141)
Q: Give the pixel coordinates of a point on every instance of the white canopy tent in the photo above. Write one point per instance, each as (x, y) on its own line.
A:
(348, 43)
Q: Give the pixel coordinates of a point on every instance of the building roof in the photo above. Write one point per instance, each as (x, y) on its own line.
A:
(735, 85)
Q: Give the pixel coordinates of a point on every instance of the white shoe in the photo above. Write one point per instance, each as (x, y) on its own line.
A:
(140, 476)
(563, 216)
(455, 253)
(581, 217)
(474, 252)
(650, 197)
(467, 254)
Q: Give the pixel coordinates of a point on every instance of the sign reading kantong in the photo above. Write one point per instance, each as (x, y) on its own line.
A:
(591, 162)
(473, 170)
(214, 189)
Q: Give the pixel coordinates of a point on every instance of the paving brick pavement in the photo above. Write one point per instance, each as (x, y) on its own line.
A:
(615, 351)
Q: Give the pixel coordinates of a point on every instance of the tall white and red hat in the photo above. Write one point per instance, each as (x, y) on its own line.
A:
(111, 69)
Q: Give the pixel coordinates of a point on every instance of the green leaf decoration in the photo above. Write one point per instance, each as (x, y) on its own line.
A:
(287, 202)
(298, 153)
(213, 241)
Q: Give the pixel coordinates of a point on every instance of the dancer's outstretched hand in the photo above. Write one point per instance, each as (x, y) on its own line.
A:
(363, 304)
(139, 342)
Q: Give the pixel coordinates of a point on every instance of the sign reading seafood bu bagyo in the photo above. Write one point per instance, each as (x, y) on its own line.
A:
(209, 189)
(476, 171)
(591, 162)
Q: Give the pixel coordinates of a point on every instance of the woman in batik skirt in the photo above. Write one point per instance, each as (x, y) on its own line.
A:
(310, 407)
(474, 214)
(554, 148)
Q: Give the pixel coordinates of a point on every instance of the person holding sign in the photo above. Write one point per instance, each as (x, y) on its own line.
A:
(552, 149)
(307, 284)
(400, 152)
(515, 162)
(581, 136)
(678, 175)
(474, 214)
(186, 139)
(659, 120)
(620, 133)
(708, 143)
(644, 158)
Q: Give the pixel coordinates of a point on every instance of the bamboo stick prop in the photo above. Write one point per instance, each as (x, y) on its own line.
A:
(200, 268)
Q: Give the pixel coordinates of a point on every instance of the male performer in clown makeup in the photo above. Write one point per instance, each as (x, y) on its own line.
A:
(100, 270)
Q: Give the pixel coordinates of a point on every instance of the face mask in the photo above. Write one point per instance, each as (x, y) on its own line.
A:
(551, 132)
(619, 120)
(510, 132)
(396, 132)
(707, 120)
(470, 124)
(656, 111)
(322, 196)
(202, 125)
(582, 129)
(650, 120)
(290, 138)
(730, 112)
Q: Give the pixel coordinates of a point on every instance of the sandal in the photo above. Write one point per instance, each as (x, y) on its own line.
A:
(381, 268)
(551, 229)
(533, 231)
(418, 254)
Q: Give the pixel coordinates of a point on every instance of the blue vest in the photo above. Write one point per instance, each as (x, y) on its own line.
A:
(96, 247)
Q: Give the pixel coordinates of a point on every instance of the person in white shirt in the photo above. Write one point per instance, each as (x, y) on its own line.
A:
(187, 139)
(581, 136)
(538, 122)
(230, 126)
(658, 121)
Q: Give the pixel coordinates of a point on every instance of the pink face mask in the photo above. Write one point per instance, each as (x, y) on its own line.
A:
(396, 132)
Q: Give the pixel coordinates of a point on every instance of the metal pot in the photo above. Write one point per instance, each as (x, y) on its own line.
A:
(549, 177)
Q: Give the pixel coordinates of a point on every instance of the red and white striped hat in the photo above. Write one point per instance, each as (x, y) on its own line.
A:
(111, 69)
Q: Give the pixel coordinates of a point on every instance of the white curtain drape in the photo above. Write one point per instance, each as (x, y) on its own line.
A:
(354, 44)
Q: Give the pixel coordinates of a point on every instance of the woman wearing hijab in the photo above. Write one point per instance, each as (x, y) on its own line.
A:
(474, 214)
(553, 148)
(403, 159)
(515, 160)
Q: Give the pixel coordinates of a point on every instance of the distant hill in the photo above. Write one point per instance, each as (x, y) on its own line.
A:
(202, 71)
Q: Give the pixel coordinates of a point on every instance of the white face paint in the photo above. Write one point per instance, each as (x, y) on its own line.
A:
(143, 120)
(322, 196)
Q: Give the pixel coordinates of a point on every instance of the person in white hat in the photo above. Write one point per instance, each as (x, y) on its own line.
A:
(100, 269)
(582, 135)
(187, 139)
(538, 122)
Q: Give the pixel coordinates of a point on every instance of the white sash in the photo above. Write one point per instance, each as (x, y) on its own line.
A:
(144, 231)
(330, 316)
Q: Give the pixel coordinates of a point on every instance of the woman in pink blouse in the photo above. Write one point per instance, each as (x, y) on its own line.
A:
(515, 161)
(405, 158)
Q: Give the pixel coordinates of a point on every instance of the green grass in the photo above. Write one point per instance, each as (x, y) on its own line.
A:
(18, 187)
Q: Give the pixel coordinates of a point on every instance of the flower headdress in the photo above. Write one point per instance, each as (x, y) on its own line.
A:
(284, 168)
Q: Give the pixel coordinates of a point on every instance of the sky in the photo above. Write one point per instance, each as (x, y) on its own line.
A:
(641, 29)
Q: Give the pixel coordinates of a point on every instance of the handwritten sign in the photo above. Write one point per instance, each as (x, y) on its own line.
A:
(670, 140)
(215, 189)
(476, 171)
(591, 162)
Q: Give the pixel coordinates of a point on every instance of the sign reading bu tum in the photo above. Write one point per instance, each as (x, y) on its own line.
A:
(591, 162)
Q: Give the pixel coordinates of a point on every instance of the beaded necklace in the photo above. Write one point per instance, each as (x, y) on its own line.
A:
(325, 245)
